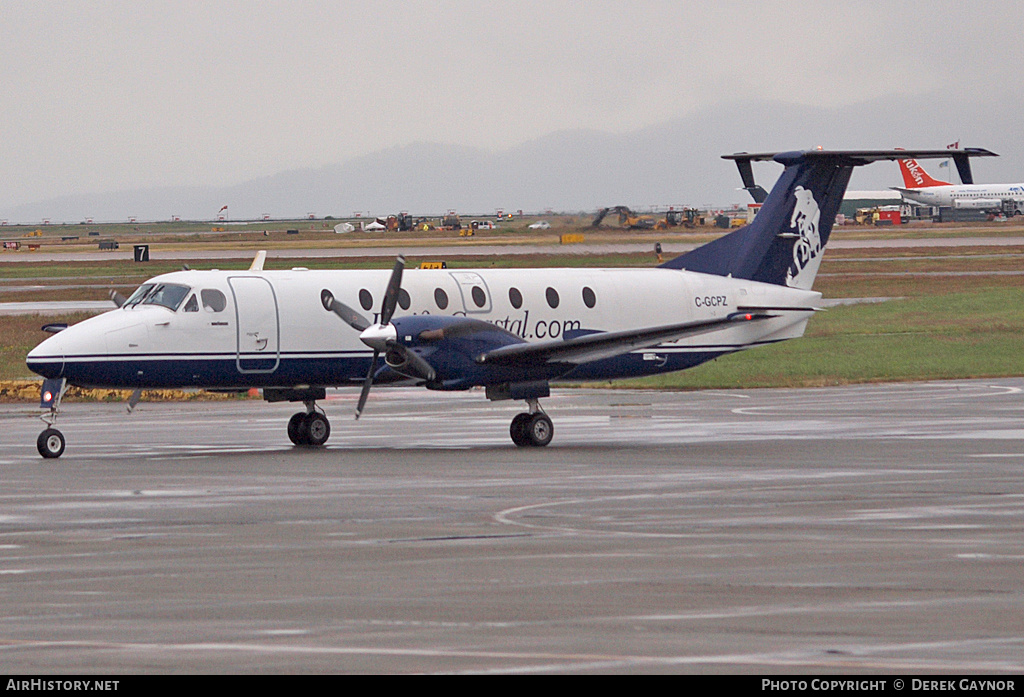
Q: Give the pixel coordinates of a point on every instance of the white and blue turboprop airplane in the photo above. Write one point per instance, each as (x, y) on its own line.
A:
(295, 333)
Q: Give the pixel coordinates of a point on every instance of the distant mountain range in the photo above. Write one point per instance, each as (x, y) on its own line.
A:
(673, 163)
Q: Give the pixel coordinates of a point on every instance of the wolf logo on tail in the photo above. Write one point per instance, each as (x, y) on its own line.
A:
(805, 219)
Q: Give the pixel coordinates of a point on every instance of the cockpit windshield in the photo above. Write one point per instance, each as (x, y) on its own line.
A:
(136, 297)
(168, 295)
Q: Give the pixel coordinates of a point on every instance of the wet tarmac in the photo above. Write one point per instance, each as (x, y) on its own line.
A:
(875, 529)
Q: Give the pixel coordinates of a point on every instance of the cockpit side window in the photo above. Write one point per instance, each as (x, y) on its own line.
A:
(168, 295)
(213, 300)
(192, 305)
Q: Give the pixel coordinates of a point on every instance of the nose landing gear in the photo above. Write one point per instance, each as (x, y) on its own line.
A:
(50, 442)
(533, 428)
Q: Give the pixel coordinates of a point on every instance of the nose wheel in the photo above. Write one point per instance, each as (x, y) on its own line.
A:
(309, 428)
(532, 430)
(50, 443)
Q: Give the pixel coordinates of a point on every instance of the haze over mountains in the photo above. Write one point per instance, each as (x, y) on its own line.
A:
(673, 163)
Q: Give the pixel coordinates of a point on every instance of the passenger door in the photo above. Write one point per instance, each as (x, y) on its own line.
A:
(258, 324)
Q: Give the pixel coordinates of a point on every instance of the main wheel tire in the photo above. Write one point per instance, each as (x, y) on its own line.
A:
(539, 430)
(50, 443)
(295, 428)
(317, 429)
(518, 430)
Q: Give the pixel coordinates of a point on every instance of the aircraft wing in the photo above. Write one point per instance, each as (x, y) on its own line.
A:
(600, 345)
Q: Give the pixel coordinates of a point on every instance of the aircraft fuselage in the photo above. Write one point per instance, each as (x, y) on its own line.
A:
(242, 329)
(978, 196)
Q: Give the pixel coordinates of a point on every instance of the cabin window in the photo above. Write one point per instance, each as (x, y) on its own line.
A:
(552, 296)
(366, 300)
(440, 298)
(589, 299)
(167, 295)
(192, 305)
(479, 296)
(404, 301)
(515, 297)
(213, 300)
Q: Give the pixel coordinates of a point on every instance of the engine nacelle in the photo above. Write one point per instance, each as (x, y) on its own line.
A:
(405, 362)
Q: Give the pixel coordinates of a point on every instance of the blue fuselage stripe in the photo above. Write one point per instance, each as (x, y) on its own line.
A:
(222, 371)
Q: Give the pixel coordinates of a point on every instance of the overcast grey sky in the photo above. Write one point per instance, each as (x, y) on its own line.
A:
(108, 95)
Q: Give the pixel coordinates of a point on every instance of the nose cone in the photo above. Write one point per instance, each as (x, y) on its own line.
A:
(379, 336)
(47, 359)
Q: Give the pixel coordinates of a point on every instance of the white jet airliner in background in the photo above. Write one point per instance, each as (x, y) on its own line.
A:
(295, 333)
(920, 187)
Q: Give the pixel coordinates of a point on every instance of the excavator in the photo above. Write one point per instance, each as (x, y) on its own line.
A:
(627, 218)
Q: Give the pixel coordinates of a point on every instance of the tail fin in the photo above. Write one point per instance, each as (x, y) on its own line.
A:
(914, 176)
(785, 242)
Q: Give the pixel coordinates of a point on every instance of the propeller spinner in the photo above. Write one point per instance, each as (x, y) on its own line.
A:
(382, 337)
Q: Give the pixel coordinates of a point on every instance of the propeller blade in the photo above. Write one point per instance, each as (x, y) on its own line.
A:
(133, 400)
(347, 314)
(391, 294)
(367, 384)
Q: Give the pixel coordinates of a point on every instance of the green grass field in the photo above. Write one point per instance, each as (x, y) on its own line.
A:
(958, 335)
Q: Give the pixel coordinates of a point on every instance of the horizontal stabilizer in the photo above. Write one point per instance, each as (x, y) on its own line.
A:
(855, 158)
(864, 157)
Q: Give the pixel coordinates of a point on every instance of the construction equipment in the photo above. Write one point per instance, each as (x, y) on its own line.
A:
(866, 216)
(687, 217)
(451, 222)
(627, 218)
(399, 223)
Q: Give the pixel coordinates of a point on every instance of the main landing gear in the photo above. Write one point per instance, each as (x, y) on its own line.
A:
(532, 428)
(309, 427)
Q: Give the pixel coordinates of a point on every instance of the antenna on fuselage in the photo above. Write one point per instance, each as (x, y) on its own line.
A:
(257, 262)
